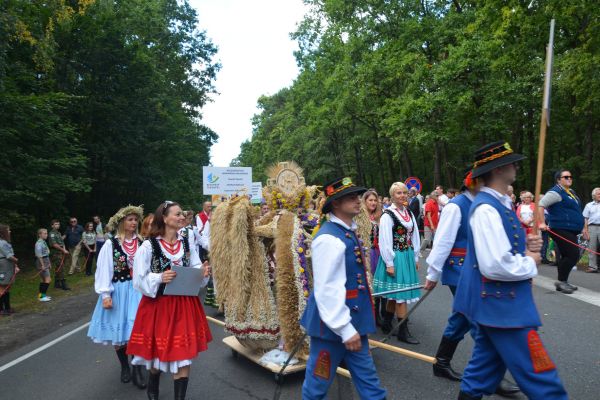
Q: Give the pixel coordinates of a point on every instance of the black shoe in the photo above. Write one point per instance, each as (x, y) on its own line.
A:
(545, 261)
(57, 284)
(125, 370)
(507, 389)
(180, 387)
(63, 285)
(138, 377)
(442, 367)
(153, 381)
(405, 336)
(563, 287)
(464, 396)
(386, 326)
(573, 287)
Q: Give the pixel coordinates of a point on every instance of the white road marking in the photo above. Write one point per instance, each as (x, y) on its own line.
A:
(582, 294)
(42, 348)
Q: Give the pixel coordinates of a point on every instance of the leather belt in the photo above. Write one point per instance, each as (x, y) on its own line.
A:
(458, 252)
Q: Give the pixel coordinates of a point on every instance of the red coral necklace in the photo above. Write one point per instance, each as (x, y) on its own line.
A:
(171, 248)
(130, 247)
(405, 215)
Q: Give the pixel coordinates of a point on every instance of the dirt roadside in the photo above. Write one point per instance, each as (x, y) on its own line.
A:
(22, 328)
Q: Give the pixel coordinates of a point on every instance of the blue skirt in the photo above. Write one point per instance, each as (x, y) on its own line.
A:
(405, 276)
(113, 326)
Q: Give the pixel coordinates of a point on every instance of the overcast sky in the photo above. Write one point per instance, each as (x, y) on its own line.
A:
(256, 54)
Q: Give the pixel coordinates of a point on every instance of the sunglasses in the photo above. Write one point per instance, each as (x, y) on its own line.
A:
(566, 177)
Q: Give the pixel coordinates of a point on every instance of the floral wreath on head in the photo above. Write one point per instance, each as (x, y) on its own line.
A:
(114, 221)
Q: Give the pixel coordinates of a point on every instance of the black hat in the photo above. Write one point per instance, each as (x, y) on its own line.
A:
(492, 156)
(338, 188)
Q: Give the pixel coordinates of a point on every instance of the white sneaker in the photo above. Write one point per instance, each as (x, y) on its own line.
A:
(44, 299)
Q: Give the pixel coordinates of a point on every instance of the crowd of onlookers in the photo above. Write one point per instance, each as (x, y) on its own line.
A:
(427, 211)
(75, 248)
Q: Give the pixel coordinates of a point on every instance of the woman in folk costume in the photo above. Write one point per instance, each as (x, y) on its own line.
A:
(397, 267)
(117, 305)
(169, 331)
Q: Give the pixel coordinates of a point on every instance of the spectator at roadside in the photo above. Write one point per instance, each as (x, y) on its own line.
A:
(58, 255)
(203, 216)
(591, 229)
(442, 199)
(545, 237)
(42, 262)
(525, 211)
(511, 193)
(414, 205)
(451, 193)
(73, 242)
(99, 228)
(88, 240)
(565, 221)
(146, 225)
(8, 269)
(386, 203)
(431, 219)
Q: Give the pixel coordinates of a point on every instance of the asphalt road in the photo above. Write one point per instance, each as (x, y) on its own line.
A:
(75, 368)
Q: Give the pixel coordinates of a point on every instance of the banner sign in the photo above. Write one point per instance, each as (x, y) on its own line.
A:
(226, 180)
(256, 193)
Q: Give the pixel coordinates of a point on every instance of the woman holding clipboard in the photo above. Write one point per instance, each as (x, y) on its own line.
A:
(169, 330)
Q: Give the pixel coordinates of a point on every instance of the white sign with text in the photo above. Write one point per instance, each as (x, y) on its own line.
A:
(226, 180)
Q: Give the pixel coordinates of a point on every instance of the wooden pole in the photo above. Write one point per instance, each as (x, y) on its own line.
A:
(544, 123)
(404, 352)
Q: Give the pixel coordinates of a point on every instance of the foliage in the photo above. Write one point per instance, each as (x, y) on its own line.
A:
(100, 106)
(392, 89)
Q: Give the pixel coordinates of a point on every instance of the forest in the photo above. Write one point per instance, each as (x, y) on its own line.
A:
(100, 106)
(391, 89)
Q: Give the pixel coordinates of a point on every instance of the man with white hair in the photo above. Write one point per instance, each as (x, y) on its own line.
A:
(591, 229)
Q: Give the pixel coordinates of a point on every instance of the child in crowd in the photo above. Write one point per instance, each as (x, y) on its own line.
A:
(42, 262)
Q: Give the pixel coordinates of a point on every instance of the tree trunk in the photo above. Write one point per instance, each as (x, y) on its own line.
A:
(407, 161)
(437, 174)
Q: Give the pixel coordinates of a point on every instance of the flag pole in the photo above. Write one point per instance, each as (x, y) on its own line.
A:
(544, 124)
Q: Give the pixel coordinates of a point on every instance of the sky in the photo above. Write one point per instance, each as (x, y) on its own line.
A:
(256, 54)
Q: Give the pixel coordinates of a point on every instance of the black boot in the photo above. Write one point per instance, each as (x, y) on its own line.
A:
(125, 371)
(507, 389)
(138, 377)
(63, 285)
(180, 387)
(378, 319)
(464, 396)
(445, 352)
(153, 381)
(57, 284)
(386, 326)
(404, 334)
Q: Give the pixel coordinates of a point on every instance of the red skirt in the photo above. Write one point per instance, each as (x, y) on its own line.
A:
(170, 328)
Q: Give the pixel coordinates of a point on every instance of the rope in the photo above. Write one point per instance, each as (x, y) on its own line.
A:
(573, 243)
(10, 283)
(62, 261)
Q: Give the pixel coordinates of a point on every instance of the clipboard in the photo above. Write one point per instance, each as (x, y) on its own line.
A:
(187, 282)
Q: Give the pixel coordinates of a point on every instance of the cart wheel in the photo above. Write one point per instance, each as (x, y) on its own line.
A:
(234, 353)
(279, 379)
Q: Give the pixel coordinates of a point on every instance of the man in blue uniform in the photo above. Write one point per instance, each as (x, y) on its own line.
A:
(495, 288)
(447, 258)
(339, 313)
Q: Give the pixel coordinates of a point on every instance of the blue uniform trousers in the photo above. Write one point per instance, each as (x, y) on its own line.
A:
(359, 363)
(496, 350)
(458, 325)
